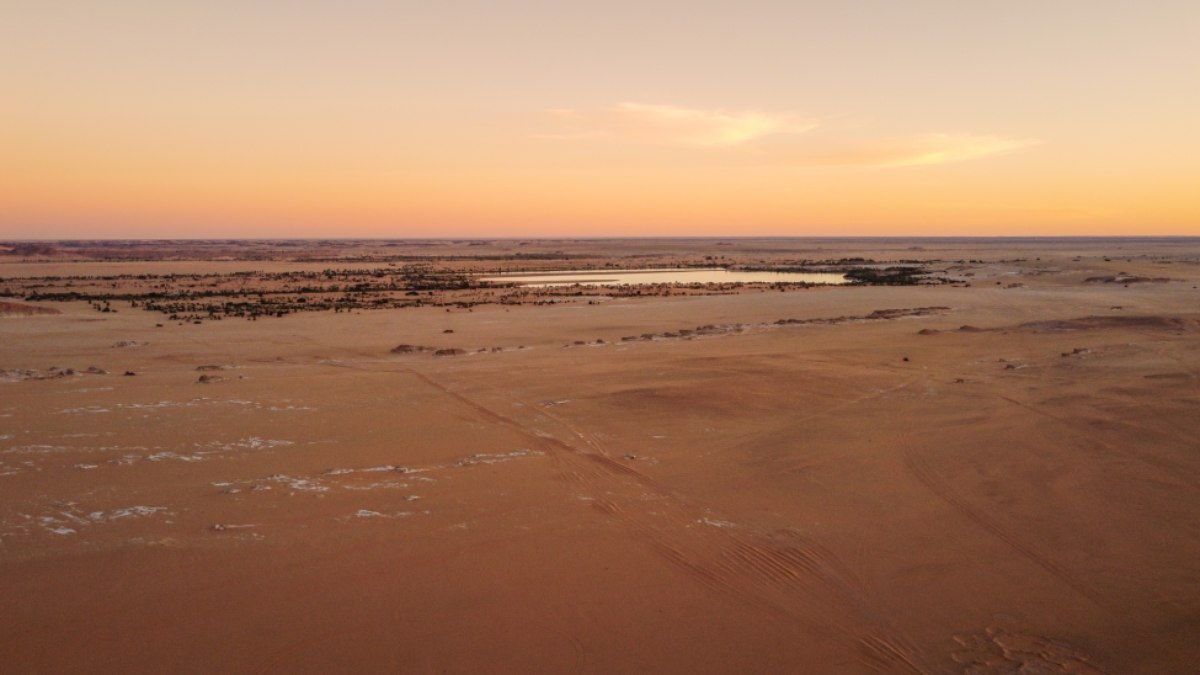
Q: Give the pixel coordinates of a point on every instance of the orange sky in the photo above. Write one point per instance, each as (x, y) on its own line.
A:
(141, 118)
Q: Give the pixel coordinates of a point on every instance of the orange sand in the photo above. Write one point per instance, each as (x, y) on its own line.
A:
(840, 497)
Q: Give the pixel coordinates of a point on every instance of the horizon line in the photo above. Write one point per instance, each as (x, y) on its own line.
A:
(891, 237)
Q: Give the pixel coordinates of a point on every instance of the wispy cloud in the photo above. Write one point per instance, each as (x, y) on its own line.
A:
(915, 150)
(773, 136)
(674, 125)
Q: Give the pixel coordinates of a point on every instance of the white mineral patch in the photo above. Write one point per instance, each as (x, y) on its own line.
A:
(193, 403)
(374, 469)
(373, 486)
(36, 449)
(134, 512)
(102, 516)
(366, 513)
(485, 458)
(248, 443)
(303, 484)
(154, 406)
(161, 456)
(223, 526)
(256, 443)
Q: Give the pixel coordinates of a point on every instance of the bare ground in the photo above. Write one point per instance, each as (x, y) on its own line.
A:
(816, 487)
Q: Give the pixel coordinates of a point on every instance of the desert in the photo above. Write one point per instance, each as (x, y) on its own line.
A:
(260, 456)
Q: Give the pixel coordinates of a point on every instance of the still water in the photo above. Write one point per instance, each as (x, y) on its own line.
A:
(664, 276)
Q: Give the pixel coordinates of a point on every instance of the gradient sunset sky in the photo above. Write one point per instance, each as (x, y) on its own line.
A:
(316, 118)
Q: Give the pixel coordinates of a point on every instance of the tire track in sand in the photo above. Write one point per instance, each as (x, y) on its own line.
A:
(920, 469)
(783, 573)
(1172, 470)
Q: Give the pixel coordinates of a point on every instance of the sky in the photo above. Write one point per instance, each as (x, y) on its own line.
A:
(524, 118)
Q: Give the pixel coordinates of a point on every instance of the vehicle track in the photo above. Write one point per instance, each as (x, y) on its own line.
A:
(1174, 471)
(930, 479)
(782, 574)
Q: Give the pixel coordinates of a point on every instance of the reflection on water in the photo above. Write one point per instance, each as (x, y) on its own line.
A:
(665, 276)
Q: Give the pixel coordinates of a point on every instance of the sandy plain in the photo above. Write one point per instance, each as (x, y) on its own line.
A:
(1003, 478)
